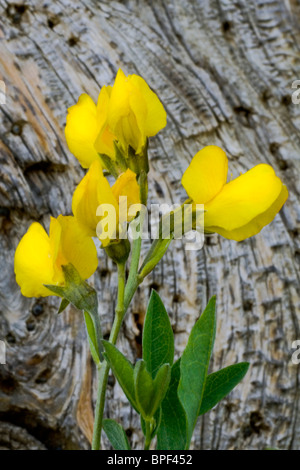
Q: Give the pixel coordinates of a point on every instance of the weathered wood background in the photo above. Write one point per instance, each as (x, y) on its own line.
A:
(224, 71)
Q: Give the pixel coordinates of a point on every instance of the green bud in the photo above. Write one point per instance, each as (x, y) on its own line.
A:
(118, 251)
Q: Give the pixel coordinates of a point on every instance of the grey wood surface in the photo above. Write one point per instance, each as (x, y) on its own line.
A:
(224, 72)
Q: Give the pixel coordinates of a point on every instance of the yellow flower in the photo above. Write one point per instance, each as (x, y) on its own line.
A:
(94, 191)
(134, 112)
(39, 257)
(238, 209)
(127, 113)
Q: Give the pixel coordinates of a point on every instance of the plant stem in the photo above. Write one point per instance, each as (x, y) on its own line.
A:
(103, 370)
(133, 278)
(120, 302)
(102, 379)
(148, 435)
(124, 298)
(133, 281)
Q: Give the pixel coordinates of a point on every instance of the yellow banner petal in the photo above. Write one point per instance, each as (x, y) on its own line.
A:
(34, 263)
(93, 190)
(206, 174)
(82, 129)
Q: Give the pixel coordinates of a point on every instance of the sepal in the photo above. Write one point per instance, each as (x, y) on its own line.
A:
(79, 293)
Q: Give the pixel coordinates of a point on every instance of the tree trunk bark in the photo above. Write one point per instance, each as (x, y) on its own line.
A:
(224, 72)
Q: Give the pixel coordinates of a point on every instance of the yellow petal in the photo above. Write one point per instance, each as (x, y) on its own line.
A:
(119, 99)
(156, 116)
(93, 190)
(104, 142)
(33, 262)
(103, 105)
(254, 226)
(126, 185)
(121, 119)
(85, 197)
(76, 247)
(246, 204)
(82, 129)
(206, 174)
(58, 258)
(128, 133)
(107, 228)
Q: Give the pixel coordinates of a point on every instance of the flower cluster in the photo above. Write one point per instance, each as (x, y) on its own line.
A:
(117, 127)
(113, 135)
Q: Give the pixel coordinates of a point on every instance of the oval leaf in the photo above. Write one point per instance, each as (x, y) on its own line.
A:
(158, 338)
(116, 434)
(122, 369)
(194, 365)
(149, 393)
(220, 383)
(92, 337)
(144, 389)
(160, 385)
(171, 433)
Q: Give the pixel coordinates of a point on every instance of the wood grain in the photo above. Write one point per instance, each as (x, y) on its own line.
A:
(224, 72)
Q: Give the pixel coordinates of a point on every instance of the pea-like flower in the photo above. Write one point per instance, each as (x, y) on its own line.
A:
(96, 205)
(127, 113)
(238, 209)
(134, 113)
(39, 257)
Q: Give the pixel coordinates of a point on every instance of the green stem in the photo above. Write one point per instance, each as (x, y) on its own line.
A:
(102, 379)
(133, 278)
(104, 368)
(121, 293)
(148, 435)
(124, 298)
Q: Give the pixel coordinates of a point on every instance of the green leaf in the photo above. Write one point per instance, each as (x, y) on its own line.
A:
(154, 255)
(123, 371)
(160, 385)
(171, 433)
(220, 383)
(194, 365)
(158, 339)
(116, 434)
(143, 387)
(149, 393)
(92, 338)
